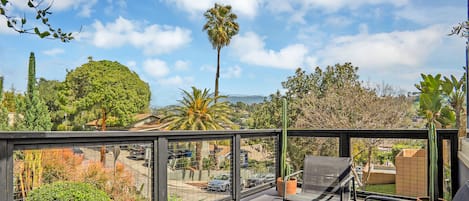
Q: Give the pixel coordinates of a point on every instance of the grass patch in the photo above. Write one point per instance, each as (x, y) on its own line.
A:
(381, 188)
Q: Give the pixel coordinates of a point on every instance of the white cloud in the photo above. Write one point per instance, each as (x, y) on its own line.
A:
(298, 9)
(251, 49)
(400, 49)
(153, 39)
(279, 6)
(84, 6)
(231, 72)
(155, 67)
(53, 52)
(247, 8)
(208, 68)
(338, 21)
(439, 15)
(177, 81)
(181, 65)
(334, 5)
(113, 5)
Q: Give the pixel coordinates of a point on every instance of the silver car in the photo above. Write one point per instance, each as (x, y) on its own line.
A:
(222, 183)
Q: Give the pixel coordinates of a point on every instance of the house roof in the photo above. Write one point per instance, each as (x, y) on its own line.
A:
(137, 117)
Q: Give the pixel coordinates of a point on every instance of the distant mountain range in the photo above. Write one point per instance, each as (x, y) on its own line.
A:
(245, 99)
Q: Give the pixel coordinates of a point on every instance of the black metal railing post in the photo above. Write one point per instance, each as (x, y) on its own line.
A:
(160, 164)
(3, 170)
(236, 169)
(454, 140)
(344, 145)
(6, 170)
(440, 164)
(278, 155)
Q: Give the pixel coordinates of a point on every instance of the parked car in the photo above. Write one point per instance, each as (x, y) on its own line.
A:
(259, 179)
(254, 181)
(77, 151)
(222, 183)
(137, 155)
(183, 153)
(269, 178)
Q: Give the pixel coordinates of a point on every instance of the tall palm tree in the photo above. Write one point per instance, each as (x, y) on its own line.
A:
(221, 27)
(199, 111)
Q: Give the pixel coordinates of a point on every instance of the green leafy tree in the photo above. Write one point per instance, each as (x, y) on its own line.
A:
(436, 114)
(9, 99)
(107, 89)
(48, 92)
(17, 23)
(268, 114)
(3, 109)
(35, 114)
(221, 26)
(31, 76)
(31, 112)
(200, 111)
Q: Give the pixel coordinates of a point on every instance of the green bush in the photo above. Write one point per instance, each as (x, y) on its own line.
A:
(67, 191)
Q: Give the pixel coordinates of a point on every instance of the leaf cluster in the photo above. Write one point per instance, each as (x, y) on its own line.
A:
(462, 29)
(68, 191)
(433, 92)
(42, 15)
(221, 25)
(200, 110)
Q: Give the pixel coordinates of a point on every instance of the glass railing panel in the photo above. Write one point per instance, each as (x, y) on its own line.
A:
(390, 166)
(116, 171)
(299, 147)
(447, 188)
(258, 165)
(199, 170)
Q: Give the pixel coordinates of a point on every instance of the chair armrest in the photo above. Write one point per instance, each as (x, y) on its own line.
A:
(293, 174)
(381, 198)
(345, 181)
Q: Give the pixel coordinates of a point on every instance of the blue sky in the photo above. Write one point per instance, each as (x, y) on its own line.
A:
(392, 41)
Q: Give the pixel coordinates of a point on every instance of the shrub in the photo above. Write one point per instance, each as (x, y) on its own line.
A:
(67, 191)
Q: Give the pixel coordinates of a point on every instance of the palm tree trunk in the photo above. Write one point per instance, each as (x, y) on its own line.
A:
(198, 157)
(461, 130)
(103, 128)
(218, 73)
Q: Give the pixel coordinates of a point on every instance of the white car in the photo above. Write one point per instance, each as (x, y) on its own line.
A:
(222, 183)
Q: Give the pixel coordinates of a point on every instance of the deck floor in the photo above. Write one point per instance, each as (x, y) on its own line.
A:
(267, 195)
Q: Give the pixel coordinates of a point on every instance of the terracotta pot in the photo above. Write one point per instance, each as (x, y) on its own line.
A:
(428, 199)
(291, 186)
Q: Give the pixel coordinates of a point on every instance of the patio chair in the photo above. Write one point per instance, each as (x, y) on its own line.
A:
(462, 193)
(326, 178)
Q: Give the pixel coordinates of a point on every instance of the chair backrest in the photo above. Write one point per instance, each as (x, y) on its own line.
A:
(323, 173)
(463, 193)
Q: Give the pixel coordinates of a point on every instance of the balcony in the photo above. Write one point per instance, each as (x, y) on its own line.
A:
(197, 165)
